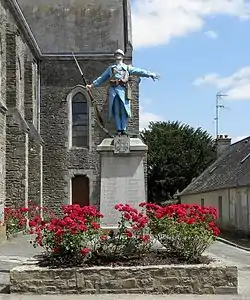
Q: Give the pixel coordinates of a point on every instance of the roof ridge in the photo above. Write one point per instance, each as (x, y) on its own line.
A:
(225, 169)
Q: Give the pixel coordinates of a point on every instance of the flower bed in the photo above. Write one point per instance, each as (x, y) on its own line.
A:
(75, 238)
(185, 231)
(75, 245)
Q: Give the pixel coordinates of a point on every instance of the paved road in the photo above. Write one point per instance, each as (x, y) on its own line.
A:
(15, 252)
(231, 254)
(122, 297)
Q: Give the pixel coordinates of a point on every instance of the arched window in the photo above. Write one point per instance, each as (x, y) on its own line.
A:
(80, 120)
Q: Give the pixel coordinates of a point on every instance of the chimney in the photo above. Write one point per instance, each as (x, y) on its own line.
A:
(223, 142)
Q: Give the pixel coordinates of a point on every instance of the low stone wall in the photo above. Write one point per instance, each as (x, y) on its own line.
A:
(215, 278)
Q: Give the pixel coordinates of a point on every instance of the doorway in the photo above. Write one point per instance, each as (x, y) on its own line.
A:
(80, 190)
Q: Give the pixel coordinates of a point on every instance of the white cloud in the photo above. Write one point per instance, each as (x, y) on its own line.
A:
(236, 86)
(146, 117)
(156, 22)
(211, 34)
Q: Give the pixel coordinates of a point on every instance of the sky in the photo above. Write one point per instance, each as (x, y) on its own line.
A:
(199, 48)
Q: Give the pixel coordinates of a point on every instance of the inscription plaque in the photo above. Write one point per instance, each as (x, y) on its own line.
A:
(122, 181)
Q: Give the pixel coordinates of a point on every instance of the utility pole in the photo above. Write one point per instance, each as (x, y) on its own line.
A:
(218, 106)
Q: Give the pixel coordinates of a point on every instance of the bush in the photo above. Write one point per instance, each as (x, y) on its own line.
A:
(77, 236)
(184, 230)
(131, 239)
(16, 219)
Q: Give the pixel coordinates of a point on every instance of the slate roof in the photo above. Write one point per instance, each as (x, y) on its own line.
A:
(231, 169)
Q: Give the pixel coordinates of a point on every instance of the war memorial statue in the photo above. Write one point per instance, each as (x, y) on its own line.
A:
(119, 93)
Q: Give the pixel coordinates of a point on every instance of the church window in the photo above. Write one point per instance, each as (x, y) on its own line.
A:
(80, 120)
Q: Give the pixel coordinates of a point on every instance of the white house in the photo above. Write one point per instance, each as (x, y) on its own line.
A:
(225, 185)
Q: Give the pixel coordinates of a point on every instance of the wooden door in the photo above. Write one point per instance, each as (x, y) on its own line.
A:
(80, 190)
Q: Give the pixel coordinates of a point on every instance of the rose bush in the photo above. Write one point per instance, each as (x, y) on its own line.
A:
(16, 218)
(184, 230)
(77, 234)
(74, 235)
(132, 237)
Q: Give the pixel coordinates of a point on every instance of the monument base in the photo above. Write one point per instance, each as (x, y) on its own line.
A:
(122, 176)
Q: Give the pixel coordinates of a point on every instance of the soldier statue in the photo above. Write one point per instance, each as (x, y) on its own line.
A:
(119, 93)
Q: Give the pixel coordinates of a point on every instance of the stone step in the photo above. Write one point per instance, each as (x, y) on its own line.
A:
(8, 262)
(4, 282)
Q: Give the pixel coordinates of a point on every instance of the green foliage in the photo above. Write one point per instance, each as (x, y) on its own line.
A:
(77, 236)
(177, 154)
(184, 230)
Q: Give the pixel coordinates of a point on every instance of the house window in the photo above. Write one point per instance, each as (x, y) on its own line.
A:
(80, 190)
(202, 202)
(220, 208)
(80, 120)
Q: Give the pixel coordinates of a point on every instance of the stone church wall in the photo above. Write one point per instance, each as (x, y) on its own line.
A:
(37, 162)
(2, 107)
(21, 129)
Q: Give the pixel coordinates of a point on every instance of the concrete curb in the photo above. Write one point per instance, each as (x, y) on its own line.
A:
(232, 244)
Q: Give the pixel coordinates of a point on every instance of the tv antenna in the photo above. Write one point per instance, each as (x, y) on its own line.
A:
(219, 96)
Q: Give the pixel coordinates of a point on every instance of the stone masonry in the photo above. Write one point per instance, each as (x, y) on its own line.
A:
(38, 80)
(173, 279)
(16, 131)
(3, 109)
(35, 142)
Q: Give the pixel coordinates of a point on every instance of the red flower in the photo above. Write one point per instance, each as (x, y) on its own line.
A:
(145, 238)
(83, 227)
(24, 209)
(190, 221)
(59, 232)
(32, 223)
(56, 250)
(95, 225)
(129, 234)
(103, 237)
(85, 251)
(127, 216)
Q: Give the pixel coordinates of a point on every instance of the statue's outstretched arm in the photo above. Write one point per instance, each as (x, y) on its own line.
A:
(102, 78)
(133, 71)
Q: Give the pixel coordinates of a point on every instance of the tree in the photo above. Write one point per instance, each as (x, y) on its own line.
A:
(177, 153)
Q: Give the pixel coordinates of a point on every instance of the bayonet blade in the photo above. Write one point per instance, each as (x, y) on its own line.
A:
(77, 64)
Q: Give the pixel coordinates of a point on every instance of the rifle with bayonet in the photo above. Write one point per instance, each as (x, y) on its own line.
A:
(97, 113)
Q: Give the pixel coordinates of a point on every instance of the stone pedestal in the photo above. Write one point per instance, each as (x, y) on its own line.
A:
(122, 176)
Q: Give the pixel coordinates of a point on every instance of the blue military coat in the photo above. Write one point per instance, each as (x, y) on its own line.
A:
(119, 72)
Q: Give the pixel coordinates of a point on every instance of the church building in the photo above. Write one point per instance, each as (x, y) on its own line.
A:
(48, 127)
